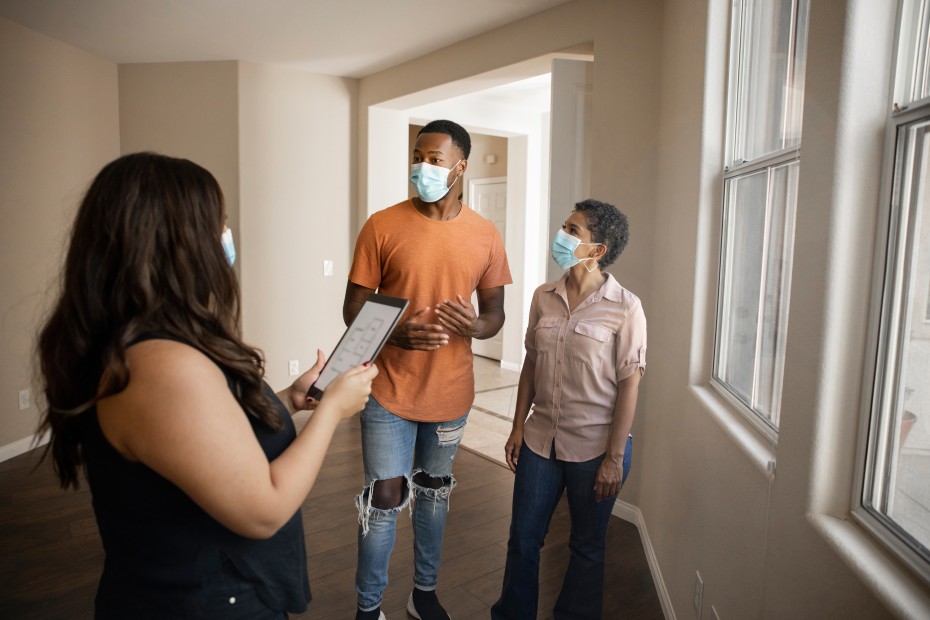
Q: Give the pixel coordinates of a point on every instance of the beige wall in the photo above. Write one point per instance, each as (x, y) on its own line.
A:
(280, 142)
(59, 127)
(67, 113)
(189, 110)
(298, 180)
(481, 146)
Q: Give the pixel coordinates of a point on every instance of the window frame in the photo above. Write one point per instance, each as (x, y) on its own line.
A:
(889, 305)
(734, 167)
(888, 321)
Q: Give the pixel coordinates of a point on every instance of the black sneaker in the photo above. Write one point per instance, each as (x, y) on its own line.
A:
(374, 614)
(424, 605)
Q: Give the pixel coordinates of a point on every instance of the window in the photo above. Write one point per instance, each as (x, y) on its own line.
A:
(895, 495)
(768, 41)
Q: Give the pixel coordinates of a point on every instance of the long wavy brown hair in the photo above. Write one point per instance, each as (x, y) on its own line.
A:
(145, 257)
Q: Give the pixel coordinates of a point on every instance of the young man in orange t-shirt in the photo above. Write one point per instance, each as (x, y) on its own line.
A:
(434, 251)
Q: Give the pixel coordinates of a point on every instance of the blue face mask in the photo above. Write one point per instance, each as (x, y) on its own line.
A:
(228, 246)
(430, 180)
(563, 251)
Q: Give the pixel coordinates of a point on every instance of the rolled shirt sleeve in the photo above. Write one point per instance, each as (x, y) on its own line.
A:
(631, 343)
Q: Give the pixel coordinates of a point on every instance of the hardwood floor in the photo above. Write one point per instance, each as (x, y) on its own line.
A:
(52, 554)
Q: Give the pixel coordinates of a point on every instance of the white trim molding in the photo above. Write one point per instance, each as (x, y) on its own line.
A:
(12, 450)
(632, 514)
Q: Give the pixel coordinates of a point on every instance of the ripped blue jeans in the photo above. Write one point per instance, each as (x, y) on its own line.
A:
(393, 447)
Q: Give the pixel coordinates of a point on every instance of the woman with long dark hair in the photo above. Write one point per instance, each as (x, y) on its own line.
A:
(195, 468)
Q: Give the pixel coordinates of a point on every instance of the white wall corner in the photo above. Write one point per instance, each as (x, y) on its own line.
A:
(632, 514)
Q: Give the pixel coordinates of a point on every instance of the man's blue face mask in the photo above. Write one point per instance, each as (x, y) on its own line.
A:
(430, 180)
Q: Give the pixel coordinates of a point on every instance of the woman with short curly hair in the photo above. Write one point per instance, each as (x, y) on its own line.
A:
(585, 354)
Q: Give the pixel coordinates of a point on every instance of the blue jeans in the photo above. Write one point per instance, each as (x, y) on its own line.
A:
(538, 486)
(393, 447)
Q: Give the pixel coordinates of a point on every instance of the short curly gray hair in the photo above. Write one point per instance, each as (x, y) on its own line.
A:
(608, 226)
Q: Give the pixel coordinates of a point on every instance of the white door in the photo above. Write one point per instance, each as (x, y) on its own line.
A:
(570, 145)
(488, 197)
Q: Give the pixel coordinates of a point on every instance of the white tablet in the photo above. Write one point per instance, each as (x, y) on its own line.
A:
(363, 340)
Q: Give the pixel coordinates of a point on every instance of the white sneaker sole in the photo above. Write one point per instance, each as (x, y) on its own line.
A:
(411, 609)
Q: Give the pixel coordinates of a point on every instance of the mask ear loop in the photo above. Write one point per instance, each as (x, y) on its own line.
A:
(457, 177)
(585, 260)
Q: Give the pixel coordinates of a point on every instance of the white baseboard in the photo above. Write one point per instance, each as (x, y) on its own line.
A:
(22, 446)
(632, 514)
(515, 367)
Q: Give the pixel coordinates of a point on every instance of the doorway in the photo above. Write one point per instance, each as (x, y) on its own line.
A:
(488, 198)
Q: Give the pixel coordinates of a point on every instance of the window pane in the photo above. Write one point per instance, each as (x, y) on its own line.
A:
(753, 306)
(742, 263)
(913, 71)
(783, 190)
(768, 51)
(901, 446)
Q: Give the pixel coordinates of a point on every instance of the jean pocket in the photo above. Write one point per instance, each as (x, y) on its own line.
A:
(627, 459)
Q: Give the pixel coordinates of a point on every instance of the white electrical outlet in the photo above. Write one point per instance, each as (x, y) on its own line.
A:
(23, 400)
(698, 594)
(327, 268)
(293, 368)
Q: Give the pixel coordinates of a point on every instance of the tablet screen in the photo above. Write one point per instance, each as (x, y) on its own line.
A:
(363, 340)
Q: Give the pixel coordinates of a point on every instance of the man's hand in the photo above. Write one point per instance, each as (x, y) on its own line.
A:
(608, 480)
(459, 317)
(416, 335)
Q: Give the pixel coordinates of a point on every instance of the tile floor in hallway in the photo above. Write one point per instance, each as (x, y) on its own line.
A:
(495, 398)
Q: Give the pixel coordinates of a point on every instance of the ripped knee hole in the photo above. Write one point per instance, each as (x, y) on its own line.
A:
(429, 482)
(387, 494)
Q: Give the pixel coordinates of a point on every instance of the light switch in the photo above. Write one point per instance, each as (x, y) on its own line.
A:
(327, 268)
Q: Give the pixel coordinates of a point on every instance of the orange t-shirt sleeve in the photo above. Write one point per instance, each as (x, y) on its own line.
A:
(366, 263)
(498, 271)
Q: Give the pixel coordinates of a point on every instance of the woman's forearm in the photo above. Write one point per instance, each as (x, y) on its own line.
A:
(624, 410)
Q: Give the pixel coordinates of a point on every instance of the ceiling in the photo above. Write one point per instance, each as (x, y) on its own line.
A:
(349, 38)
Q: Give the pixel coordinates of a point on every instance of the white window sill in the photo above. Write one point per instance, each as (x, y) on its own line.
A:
(760, 451)
(894, 585)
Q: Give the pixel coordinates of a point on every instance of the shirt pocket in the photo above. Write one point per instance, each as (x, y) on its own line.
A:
(593, 344)
(547, 333)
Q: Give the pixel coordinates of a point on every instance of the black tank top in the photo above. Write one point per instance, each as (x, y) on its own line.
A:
(167, 558)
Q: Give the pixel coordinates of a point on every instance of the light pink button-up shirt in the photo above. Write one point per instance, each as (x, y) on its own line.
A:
(581, 357)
